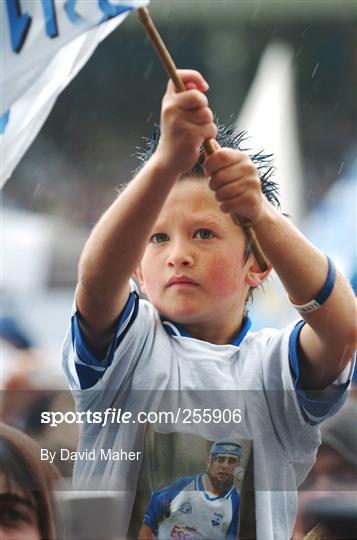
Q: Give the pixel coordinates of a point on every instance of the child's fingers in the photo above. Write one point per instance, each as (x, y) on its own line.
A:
(191, 76)
(190, 99)
(209, 131)
(242, 197)
(225, 175)
(235, 188)
(200, 132)
(192, 126)
(185, 101)
(245, 204)
(224, 157)
(200, 116)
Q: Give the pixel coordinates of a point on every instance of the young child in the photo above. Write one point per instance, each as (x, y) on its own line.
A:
(175, 231)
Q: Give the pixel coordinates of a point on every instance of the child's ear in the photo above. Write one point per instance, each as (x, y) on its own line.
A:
(139, 276)
(254, 276)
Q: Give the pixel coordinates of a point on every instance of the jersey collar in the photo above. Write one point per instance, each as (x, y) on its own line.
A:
(201, 487)
(175, 329)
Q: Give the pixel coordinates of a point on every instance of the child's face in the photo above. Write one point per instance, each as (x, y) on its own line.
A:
(194, 270)
(18, 514)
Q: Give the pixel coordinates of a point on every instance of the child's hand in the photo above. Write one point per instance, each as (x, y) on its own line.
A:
(236, 183)
(186, 121)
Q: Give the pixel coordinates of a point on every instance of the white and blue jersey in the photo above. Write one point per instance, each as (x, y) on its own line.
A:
(186, 510)
(258, 372)
(88, 370)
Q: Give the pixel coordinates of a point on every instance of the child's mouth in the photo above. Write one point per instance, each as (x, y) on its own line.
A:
(181, 282)
(183, 285)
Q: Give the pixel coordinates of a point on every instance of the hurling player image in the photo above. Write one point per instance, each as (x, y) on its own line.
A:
(202, 506)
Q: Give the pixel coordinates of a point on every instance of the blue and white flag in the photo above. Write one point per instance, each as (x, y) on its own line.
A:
(44, 44)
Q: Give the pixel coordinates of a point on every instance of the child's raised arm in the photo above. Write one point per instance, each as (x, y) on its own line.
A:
(329, 338)
(117, 243)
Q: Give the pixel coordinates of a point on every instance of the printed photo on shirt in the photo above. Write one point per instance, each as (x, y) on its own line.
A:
(193, 488)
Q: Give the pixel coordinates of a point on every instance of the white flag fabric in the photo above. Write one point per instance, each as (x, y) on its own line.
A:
(269, 117)
(44, 44)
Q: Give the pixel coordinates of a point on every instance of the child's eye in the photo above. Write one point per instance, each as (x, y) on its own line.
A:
(204, 234)
(158, 238)
(12, 514)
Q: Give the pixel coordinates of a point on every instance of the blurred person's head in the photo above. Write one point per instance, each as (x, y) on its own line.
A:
(317, 533)
(336, 518)
(333, 479)
(26, 482)
(336, 463)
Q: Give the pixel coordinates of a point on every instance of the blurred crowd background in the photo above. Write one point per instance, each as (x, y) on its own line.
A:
(86, 150)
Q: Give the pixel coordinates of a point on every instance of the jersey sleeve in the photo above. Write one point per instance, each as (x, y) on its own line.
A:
(85, 371)
(293, 416)
(159, 506)
(327, 401)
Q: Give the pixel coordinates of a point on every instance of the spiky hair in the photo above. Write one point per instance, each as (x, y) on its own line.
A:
(227, 137)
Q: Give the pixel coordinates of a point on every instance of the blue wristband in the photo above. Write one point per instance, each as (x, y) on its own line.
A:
(323, 295)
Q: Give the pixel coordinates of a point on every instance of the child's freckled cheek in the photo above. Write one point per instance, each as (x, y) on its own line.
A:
(221, 275)
(152, 284)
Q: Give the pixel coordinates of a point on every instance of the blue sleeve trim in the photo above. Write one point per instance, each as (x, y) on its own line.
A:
(293, 352)
(232, 531)
(90, 368)
(125, 321)
(313, 410)
(161, 501)
(149, 523)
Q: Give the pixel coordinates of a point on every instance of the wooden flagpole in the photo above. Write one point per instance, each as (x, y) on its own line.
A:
(171, 70)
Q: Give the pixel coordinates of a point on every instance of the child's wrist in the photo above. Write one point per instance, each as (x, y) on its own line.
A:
(266, 216)
(165, 163)
(162, 167)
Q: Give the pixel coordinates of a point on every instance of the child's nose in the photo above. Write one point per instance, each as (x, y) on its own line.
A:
(180, 255)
